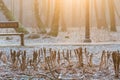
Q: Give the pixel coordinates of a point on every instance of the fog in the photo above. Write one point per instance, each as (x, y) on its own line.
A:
(78, 10)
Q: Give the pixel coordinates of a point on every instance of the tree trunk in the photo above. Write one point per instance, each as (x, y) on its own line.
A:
(21, 11)
(44, 11)
(48, 13)
(39, 22)
(87, 22)
(9, 16)
(73, 13)
(112, 15)
(55, 22)
(80, 22)
(97, 16)
(103, 8)
(63, 24)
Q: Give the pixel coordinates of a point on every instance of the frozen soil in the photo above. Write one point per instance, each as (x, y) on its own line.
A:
(73, 35)
(66, 72)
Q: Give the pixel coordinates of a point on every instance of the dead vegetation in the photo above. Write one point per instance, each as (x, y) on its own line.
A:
(56, 63)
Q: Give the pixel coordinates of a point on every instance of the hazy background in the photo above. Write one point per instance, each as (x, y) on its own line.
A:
(79, 11)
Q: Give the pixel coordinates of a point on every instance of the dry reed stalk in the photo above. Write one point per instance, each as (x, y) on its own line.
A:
(23, 64)
(50, 69)
(58, 58)
(86, 55)
(116, 61)
(90, 60)
(80, 57)
(103, 62)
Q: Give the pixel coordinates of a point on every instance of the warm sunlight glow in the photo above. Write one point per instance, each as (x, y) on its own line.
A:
(73, 11)
(59, 39)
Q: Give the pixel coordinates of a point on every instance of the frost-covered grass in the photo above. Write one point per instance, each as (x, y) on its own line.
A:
(92, 72)
(72, 39)
(73, 35)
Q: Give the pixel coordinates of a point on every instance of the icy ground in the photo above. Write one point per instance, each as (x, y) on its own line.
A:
(72, 39)
(73, 35)
(92, 73)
